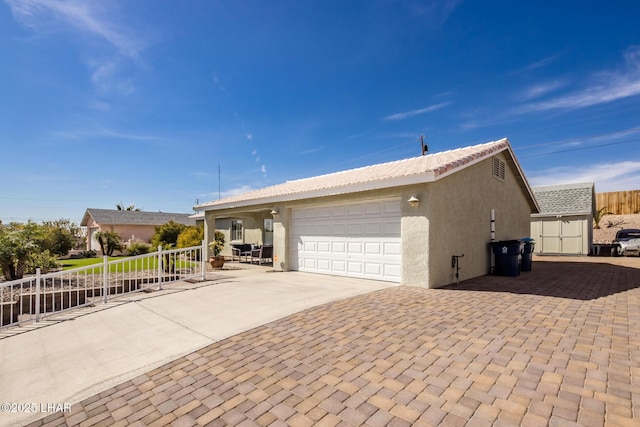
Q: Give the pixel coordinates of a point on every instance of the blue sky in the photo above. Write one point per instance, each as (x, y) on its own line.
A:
(139, 102)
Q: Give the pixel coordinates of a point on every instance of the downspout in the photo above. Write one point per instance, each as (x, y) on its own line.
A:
(493, 239)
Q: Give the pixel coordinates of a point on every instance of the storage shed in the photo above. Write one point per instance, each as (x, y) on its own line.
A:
(564, 225)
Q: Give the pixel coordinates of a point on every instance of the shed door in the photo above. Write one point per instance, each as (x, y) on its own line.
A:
(561, 236)
(356, 240)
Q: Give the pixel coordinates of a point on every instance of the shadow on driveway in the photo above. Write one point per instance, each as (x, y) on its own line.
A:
(575, 280)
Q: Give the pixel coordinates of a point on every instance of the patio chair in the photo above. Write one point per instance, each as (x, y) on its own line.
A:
(262, 253)
(241, 250)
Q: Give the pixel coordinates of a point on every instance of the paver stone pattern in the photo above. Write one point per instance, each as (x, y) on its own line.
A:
(556, 346)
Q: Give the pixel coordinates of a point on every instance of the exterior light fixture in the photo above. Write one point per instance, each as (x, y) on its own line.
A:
(414, 201)
(274, 212)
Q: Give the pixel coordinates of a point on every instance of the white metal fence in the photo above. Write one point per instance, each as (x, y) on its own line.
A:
(44, 294)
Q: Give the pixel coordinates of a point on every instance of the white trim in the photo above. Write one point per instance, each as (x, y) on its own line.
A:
(347, 189)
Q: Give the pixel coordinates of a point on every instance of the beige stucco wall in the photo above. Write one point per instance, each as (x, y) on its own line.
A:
(459, 212)
(252, 224)
(126, 232)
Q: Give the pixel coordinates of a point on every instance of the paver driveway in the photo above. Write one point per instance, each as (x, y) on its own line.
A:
(557, 346)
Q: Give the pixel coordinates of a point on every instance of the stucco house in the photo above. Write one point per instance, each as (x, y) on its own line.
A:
(400, 221)
(564, 224)
(130, 225)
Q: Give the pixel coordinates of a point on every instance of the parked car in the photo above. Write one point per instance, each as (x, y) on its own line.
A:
(627, 242)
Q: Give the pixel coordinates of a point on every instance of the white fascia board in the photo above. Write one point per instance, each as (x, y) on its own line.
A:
(560, 214)
(325, 192)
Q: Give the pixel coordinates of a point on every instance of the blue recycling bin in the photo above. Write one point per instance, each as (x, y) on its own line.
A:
(508, 257)
(527, 253)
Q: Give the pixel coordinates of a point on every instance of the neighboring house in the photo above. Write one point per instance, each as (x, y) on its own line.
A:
(400, 221)
(130, 225)
(565, 222)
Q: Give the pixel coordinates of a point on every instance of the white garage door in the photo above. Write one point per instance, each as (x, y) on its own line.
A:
(355, 240)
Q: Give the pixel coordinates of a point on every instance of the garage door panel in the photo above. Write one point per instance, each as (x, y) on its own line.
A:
(373, 208)
(392, 271)
(373, 268)
(324, 247)
(324, 265)
(324, 213)
(392, 248)
(338, 267)
(355, 248)
(373, 229)
(392, 207)
(352, 239)
(336, 230)
(338, 247)
(338, 211)
(354, 230)
(391, 228)
(355, 267)
(373, 248)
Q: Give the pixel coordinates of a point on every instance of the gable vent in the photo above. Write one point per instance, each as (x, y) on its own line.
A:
(498, 167)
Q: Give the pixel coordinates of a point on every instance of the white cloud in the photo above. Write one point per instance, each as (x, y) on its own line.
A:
(407, 114)
(604, 87)
(83, 16)
(95, 23)
(105, 77)
(263, 169)
(542, 89)
(538, 64)
(249, 136)
(616, 176)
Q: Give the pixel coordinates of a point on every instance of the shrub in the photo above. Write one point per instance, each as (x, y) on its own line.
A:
(89, 254)
(191, 236)
(166, 235)
(138, 248)
(44, 260)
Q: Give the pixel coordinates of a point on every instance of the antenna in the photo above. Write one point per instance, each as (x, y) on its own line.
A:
(425, 148)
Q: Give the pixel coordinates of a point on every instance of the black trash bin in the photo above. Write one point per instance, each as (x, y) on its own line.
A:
(527, 253)
(508, 257)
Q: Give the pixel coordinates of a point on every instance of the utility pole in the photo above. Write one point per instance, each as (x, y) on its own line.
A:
(219, 181)
(425, 148)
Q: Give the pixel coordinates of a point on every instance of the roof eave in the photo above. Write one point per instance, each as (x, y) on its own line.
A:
(334, 191)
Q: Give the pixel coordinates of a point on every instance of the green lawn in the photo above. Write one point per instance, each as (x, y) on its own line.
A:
(151, 263)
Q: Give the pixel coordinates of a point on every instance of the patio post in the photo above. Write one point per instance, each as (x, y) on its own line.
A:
(105, 278)
(160, 272)
(203, 256)
(38, 294)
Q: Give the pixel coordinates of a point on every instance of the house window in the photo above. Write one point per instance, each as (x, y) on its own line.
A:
(236, 229)
(498, 168)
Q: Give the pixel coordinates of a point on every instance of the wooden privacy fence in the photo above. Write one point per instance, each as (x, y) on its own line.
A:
(619, 202)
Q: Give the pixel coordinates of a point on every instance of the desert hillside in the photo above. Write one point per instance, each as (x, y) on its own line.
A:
(610, 224)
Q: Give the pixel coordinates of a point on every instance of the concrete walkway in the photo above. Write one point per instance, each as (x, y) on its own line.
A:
(78, 355)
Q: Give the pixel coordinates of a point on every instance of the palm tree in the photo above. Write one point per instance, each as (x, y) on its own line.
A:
(121, 207)
(598, 216)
